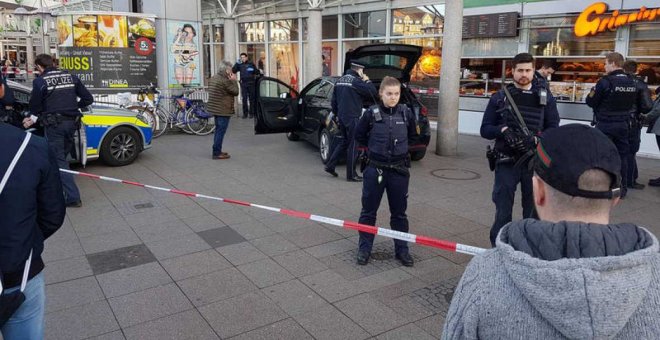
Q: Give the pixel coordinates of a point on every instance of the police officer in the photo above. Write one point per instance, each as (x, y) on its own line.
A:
(7, 113)
(515, 141)
(548, 67)
(248, 73)
(350, 92)
(54, 102)
(612, 100)
(642, 105)
(386, 128)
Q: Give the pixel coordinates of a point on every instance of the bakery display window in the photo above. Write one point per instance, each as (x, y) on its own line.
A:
(483, 77)
(574, 78)
(644, 40)
(555, 37)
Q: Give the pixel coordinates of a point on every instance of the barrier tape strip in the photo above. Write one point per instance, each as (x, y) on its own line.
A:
(412, 238)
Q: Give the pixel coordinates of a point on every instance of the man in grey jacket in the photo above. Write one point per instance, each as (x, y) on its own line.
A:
(571, 274)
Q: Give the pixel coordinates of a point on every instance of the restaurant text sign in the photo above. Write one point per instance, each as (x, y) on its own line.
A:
(594, 19)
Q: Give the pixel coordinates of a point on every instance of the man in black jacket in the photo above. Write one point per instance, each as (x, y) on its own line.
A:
(31, 210)
(248, 72)
(54, 101)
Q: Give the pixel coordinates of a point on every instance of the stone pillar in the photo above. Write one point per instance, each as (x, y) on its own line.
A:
(313, 61)
(447, 133)
(231, 47)
(29, 53)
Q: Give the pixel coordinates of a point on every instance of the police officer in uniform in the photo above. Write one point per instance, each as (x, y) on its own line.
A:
(248, 72)
(350, 92)
(513, 144)
(548, 67)
(612, 100)
(386, 128)
(642, 105)
(54, 102)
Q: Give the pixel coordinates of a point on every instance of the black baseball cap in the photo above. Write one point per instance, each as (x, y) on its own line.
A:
(565, 153)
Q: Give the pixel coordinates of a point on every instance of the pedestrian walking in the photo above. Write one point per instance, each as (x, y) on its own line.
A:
(223, 87)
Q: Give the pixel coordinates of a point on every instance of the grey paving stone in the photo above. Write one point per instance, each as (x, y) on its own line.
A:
(149, 304)
(105, 242)
(188, 210)
(265, 272)
(331, 248)
(153, 216)
(221, 237)
(282, 330)
(54, 251)
(370, 314)
(281, 224)
(80, 322)
(274, 245)
(432, 325)
(186, 325)
(121, 258)
(294, 297)
(195, 264)
(67, 269)
(410, 331)
(101, 226)
(311, 235)
(129, 280)
(116, 335)
(331, 286)
(328, 323)
(162, 230)
(300, 263)
(72, 293)
(177, 246)
(231, 217)
(216, 286)
(408, 307)
(203, 222)
(241, 314)
(252, 230)
(383, 279)
(241, 253)
(437, 296)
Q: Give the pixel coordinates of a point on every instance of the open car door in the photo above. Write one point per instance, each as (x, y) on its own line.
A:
(277, 107)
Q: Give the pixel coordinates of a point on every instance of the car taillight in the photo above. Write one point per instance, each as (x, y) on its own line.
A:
(424, 111)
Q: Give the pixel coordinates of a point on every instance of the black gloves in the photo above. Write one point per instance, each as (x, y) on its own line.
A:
(518, 142)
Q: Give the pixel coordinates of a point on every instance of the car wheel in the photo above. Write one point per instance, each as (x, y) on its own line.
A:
(324, 145)
(292, 136)
(121, 146)
(417, 155)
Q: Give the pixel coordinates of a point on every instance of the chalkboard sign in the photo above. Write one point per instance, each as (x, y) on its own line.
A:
(490, 25)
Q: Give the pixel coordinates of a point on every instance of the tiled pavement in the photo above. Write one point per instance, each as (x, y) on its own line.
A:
(139, 264)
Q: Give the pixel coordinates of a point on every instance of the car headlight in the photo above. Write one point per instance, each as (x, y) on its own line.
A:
(142, 119)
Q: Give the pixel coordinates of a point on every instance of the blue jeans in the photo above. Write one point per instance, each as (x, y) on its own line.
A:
(507, 178)
(221, 123)
(27, 323)
(60, 140)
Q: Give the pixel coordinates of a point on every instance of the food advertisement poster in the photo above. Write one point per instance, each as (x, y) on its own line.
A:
(108, 51)
(183, 54)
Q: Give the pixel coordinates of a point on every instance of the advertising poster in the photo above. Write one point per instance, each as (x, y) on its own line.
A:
(183, 54)
(108, 51)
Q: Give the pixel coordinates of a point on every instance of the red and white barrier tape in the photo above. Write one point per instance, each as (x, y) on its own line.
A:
(412, 238)
(423, 90)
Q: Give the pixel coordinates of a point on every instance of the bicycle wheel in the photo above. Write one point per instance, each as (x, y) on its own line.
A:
(145, 113)
(181, 121)
(161, 122)
(197, 120)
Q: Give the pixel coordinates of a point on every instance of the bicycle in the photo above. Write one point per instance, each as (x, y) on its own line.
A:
(150, 105)
(196, 116)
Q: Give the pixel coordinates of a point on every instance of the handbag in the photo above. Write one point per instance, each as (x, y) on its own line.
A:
(9, 303)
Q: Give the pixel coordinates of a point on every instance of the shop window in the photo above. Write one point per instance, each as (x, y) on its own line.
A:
(284, 63)
(351, 45)
(256, 54)
(218, 33)
(284, 30)
(555, 37)
(365, 24)
(490, 47)
(205, 34)
(252, 31)
(330, 27)
(418, 20)
(644, 40)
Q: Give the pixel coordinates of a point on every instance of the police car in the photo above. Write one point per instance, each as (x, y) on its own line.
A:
(114, 135)
(308, 114)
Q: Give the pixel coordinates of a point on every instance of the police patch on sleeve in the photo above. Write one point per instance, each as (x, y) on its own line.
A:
(419, 132)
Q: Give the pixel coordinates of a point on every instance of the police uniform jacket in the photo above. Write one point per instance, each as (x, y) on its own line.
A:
(247, 70)
(7, 100)
(643, 102)
(349, 93)
(537, 117)
(386, 132)
(540, 81)
(613, 97)
(31, 204)
(57, 92)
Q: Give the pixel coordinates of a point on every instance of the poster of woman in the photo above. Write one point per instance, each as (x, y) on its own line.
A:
(183, 50)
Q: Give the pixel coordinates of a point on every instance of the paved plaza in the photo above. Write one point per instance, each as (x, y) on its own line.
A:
(133, 263)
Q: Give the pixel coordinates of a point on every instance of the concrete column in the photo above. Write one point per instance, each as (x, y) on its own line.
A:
(313, 61)
(29, 53)
(230, 40)
(447, 134)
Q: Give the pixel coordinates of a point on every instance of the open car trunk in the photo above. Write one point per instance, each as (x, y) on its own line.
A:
(380, 60)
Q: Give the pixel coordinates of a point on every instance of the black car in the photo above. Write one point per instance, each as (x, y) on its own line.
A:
(308, 114)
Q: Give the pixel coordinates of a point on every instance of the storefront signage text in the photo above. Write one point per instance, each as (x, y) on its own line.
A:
(594, 20)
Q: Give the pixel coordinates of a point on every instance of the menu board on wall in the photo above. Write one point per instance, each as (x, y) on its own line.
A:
(108, 51)
(490, 25)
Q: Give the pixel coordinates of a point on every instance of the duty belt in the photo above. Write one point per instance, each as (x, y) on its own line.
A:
(398, 167)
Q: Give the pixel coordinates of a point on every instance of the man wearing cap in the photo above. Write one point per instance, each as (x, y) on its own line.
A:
(350, 92)
(515, 133)
(612, 99)
(571, 274)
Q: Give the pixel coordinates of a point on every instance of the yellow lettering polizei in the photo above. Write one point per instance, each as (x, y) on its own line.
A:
(594, 20)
